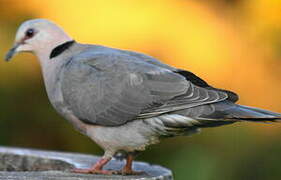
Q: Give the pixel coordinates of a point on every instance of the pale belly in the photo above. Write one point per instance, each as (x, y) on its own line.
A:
(133, 136)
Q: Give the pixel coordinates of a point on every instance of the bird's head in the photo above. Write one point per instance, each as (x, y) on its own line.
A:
(37, 36)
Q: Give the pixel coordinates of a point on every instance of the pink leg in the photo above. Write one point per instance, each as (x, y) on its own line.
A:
(127, 169)
(96, 168)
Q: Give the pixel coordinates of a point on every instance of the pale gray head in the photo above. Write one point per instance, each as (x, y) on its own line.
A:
(37, 36)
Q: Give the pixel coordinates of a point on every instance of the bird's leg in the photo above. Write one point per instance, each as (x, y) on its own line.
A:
(127, 169)
(96, 168)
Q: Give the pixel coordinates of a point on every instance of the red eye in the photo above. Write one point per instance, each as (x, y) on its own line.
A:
(29, 33)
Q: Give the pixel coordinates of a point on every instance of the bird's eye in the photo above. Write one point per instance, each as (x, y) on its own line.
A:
(29, 33)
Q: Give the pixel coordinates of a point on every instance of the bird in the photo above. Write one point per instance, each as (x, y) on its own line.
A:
(125, 100)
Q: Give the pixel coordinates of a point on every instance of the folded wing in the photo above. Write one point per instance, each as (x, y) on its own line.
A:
(112, 89)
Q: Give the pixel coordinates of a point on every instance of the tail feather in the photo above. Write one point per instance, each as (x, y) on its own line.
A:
(219, 114)
(245, 113)
(188, 121)
(228, 113)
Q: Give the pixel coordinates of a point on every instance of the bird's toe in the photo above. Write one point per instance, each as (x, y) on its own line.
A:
(94, 171)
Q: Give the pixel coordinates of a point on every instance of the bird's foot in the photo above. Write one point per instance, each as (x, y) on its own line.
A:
(129, 171)
(94, 171)
(96, 168)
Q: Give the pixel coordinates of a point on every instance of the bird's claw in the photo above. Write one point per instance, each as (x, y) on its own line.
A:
(130, 172)
(94, 171)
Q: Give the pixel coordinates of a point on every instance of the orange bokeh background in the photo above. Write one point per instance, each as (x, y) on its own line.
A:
(234, 45)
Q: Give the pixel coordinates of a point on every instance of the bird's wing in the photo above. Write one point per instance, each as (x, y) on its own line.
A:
(232, 96)
(112, 89)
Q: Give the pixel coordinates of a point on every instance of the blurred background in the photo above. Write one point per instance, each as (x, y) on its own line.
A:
(233, 44)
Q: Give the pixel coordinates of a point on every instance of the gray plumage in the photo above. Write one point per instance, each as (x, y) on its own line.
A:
(125, 100)
(109, 87)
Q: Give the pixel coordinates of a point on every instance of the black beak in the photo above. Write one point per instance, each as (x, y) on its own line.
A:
(11, 53)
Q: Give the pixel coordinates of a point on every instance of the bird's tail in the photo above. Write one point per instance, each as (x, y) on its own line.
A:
(245, 113)
(228, 113)
(188, 121)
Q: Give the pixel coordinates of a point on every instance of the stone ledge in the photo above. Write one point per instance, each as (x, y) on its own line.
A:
(28, 164)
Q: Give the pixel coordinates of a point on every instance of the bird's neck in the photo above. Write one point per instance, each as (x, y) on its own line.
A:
(51, 66)
(52, 41)
(60, 49)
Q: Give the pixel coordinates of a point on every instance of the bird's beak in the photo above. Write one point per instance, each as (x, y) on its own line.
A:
(12, 52)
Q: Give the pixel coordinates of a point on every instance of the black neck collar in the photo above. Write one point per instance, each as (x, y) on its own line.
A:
(61, 48)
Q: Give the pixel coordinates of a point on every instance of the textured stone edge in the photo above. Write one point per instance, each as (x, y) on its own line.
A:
(153, 172)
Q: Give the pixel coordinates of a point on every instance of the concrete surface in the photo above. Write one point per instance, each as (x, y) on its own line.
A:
(28, 164)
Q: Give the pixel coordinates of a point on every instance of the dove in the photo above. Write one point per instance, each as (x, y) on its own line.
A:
(124, 100)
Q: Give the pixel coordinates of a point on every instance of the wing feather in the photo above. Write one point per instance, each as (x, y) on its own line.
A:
(112, 89)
